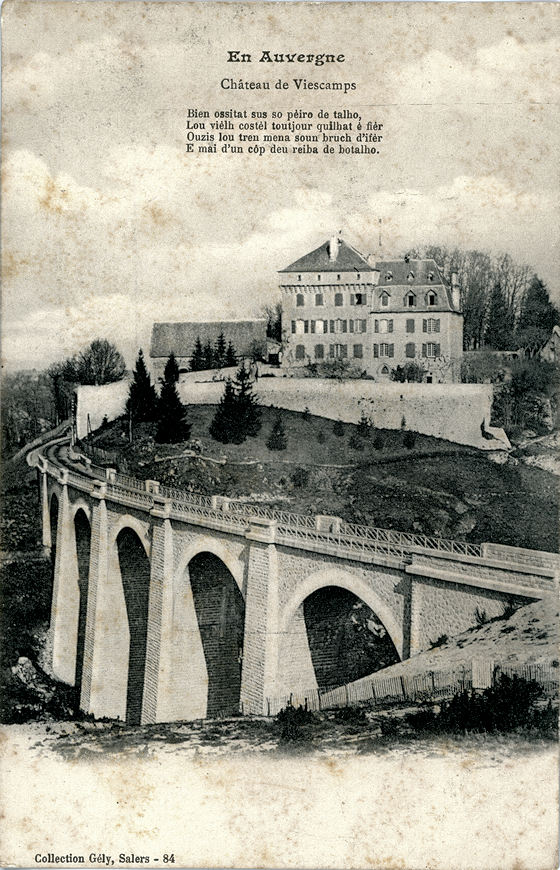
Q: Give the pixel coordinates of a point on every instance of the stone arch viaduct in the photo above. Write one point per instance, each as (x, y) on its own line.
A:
(139, 629)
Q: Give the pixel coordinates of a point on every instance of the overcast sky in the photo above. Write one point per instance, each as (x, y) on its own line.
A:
(108, 225)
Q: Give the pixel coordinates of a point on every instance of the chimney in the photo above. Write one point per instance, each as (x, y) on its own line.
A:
(333, 248)
(455, 291)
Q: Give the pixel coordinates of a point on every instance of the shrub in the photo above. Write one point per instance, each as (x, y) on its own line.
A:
(294, 722)
(480, 616)
(365, 426)
(378, 441)
(409, 440)
(356, 442)
(441, 641)
(277, 439)
(338, 428)
(321, 437)
(300, 478)
(351, 715)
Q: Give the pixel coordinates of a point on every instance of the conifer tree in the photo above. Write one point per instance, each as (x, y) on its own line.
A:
(536, 308)
(209, 356)
(197, 359)
(224, 426)
(172, 415)
(277, 439)
(171, 370)
(498, 327)
(248, 408)
(142, 399)
(220, 351)
(231, 356)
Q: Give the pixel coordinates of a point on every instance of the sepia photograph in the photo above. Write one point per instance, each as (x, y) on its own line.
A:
(280, 435)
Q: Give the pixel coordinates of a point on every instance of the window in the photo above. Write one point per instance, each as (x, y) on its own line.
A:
(319, 326)
(331, 325)
(383, 326)
(410, 350)
(410, 276)
(341, 326)
(300, 351)
(360, 298)
(338, 299)
(358, 276)
(358, 326)
(338, 351)
(430, 325)
(319, 299)
(385, 299)
(410, 325)
(430, 276)
(318, 277)
(431, 298)
(430, 349)
(299, 277)
(388, 276)
(383, 350)
(358, 351)
(385, 370)
(300, 301)
(300, 327)
(410, 301)
(293, 327)
(338, 277)
(319, 351)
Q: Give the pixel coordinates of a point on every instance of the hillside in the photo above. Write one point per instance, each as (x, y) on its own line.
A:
(431, 486)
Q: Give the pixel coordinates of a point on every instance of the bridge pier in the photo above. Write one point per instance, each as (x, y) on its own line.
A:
(45, 514)
(260, 649)
(106, 647)
(66, 593)
(158, 697)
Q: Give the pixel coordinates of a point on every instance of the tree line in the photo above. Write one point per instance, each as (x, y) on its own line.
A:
(506, 305)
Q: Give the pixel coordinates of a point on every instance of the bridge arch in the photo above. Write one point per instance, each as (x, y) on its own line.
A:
(142, 530)
(82, 536)
(80, 504)
(208, 626)
(296, 667)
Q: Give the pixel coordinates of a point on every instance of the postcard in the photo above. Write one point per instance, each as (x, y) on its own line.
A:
(280, 429)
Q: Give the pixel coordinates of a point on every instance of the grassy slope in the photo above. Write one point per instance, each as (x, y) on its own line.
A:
(436, 488)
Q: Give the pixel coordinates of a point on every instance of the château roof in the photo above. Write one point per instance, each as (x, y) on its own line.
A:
(401, 269)
(347, 260)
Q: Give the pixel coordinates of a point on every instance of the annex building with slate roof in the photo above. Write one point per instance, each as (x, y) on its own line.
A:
(338, 305)
(180, 338)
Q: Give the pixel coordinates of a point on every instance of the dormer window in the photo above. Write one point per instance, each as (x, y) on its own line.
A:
(410, 300)
(410, 276)
(431, 298)
(388, 276)
(385, 299)
(430, 276)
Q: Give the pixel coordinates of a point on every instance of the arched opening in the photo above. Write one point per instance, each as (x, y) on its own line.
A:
(347, 640)
(53, 514)
(331, 635)
(82, 532)
(220, 613)
(135, 575)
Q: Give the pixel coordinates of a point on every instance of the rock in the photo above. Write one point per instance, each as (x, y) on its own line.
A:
(26, 671)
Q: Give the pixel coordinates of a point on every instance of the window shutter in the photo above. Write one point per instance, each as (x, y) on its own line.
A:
(391, 350)
(331, 349)
(410, 325)
(344, 326)
(436, 325)
(375, 351)
(390, 326)
(377, 326)
(332, 325)
(352, 299)
(424, 348)
(306, 325)
(351, 325)
(410, 350)
(437, 347)
(343, 351)
(293, 326)
(424, 326)
(325, 326)
(312, 326)
(364, 325)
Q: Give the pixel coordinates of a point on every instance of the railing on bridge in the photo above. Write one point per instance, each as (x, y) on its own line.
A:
(290, 528)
